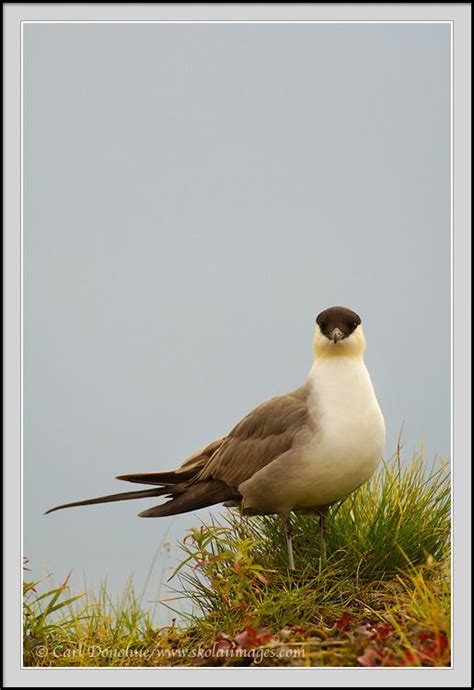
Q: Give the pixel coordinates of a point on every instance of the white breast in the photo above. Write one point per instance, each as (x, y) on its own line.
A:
(349, 436)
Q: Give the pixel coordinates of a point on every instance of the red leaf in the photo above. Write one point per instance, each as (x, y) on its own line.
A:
(382, 631)
(262, 579)
(253, 638)
(414, 657)
(425, 635)
(264, 636)
(439, 646)
(344, 621)
(244, 640)
(411, 658)
(222, 641)
(206, 561)
(251, 632)
(370, 658)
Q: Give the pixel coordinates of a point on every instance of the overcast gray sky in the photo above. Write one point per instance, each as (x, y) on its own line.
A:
(193, 196)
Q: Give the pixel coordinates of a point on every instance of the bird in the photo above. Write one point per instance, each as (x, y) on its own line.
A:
(302, 451)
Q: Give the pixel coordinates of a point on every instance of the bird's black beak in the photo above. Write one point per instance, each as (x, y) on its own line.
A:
(336, 335)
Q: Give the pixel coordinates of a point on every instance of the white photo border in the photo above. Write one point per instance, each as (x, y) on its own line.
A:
(458, 15)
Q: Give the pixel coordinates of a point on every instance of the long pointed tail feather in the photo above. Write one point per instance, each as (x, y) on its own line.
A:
(183, 497)
(125, 496)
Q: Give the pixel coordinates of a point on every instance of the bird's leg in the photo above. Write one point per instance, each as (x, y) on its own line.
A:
(289, 544)
(241, 523)
(322, 536)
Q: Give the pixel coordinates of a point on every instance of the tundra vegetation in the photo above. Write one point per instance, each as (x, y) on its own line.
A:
(382, 597)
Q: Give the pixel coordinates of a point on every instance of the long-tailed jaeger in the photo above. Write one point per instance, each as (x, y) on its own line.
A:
(302, 451)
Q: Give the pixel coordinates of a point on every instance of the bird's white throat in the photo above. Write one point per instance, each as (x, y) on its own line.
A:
(352, 346)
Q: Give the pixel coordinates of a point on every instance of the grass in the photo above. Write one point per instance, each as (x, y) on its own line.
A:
(381, 599)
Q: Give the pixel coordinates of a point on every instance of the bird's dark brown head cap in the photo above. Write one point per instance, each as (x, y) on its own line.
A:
(337, 323)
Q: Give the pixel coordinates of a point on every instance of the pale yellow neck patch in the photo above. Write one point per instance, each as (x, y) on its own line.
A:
(353, 346)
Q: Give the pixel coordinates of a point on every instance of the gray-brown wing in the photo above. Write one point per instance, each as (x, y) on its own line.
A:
(263, 435)
(188, 470)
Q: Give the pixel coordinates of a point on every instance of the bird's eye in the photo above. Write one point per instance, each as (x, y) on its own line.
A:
(355, 324)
